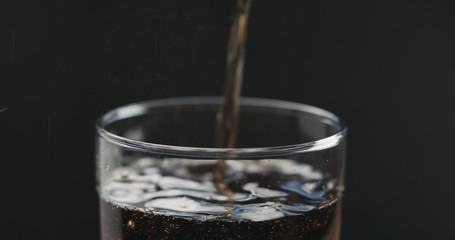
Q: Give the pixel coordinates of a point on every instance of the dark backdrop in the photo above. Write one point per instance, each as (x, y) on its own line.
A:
(386, 67)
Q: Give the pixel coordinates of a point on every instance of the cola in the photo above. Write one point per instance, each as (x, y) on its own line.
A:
(271, 199)
(134, 224)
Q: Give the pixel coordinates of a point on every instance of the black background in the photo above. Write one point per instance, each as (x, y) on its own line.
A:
(386, 67)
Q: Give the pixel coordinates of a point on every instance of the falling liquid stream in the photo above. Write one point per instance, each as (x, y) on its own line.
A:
(228, 115)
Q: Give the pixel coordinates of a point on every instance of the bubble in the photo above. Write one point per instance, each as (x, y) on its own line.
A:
(145, 162)
(257, 212)
(290, 167)
(263, 192)
(123, 174)
(128, 193)
(295, 209)
(168, 182)
(187, 193)
(184, 204)
(307, 189)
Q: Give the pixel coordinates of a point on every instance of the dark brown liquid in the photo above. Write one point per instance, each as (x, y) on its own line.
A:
(181, 202)
(121, 223)
(228, 114)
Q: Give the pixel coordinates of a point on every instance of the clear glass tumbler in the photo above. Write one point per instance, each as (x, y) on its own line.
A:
(159, 176)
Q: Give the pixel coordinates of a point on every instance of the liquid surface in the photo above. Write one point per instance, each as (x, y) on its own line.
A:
(261, 189)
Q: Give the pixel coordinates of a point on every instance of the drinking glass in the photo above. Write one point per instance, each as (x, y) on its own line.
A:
(159, 175)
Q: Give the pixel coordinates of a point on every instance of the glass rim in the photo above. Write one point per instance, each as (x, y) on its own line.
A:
(139, 108)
